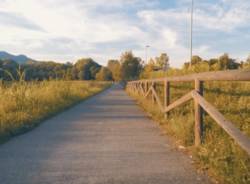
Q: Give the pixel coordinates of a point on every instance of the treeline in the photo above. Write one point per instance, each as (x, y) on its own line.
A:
(83, 69)
(127, 67)
(223, 62)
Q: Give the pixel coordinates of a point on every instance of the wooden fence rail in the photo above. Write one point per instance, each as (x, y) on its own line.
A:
(146, 87)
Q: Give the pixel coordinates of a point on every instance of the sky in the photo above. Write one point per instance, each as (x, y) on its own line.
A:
(66, 30)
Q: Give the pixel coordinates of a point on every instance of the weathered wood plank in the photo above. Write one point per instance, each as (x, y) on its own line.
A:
(152, 89)
(198, 114)
(230, 75)
(234, 132)
(158, 101)
(141, 89)
(178, 102)
(199, 101)
(148, 92)
(166, 95)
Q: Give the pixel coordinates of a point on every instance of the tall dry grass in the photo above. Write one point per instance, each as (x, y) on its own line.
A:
(218, 154)
(23, 105)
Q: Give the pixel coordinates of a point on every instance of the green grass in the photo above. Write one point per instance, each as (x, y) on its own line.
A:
(24, 105)
(219, 155)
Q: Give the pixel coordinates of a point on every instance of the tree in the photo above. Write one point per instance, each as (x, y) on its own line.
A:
(130, 66)
(198, 65)
(225, 62)
(68, 74)
(8, 69)
(74, 73)
(48, 70)
(115, 67)
(163, 61)
(147, 69)
(246, 65)
(104, 74)
(196, 60)
(86, 68)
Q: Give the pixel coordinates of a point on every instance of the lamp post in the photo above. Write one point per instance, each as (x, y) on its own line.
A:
(191, 32)
(146, 53)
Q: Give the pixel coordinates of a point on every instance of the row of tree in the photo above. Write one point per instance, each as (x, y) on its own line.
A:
(197, 64)
(224, 62)
(128, 67)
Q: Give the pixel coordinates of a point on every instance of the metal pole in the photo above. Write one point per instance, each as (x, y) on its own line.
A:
(191, 32)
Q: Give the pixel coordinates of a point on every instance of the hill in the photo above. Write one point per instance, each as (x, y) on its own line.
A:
(21, 59)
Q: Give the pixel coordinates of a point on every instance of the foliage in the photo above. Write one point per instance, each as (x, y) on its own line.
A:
(115, 67)
(218, 154)
(158, 64)
(8, 70)
(224, 62)
(23, 105)
(104, 74)
(246, 65)
(130, 66)
(148, 69)
(127, 68)
(47, 70)
(162, 62)
(86, 68)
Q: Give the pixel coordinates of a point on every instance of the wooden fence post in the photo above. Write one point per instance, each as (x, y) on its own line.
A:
(198, 116)
(153, 98)
(166, 95)
(137, 88)
(143, 88)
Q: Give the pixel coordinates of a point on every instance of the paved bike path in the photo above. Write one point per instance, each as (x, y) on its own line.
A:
(106, 139)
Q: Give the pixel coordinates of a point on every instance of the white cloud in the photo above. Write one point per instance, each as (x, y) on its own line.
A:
(209, 19)
(170, 37)
(65, 30)
(223, 20)
(16, 20)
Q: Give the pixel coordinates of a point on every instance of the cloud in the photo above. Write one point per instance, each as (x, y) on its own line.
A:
(18, 20)
(214, 24)
(223, 19)
(66, 30)
(216, 18)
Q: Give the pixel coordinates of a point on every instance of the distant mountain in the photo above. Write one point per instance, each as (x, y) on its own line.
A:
(21, 59)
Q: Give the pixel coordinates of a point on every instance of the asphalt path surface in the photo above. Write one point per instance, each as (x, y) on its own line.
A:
(106, 139)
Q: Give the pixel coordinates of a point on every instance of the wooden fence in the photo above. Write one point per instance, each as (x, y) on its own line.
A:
(146, 88)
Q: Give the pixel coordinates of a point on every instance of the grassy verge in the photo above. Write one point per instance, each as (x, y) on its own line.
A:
(24, 105)
(219, 155)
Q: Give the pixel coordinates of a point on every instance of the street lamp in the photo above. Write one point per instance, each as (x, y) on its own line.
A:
(146, 53)
(191, 32)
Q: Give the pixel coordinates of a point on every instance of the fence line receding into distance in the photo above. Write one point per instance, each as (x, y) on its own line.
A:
(147, 88)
